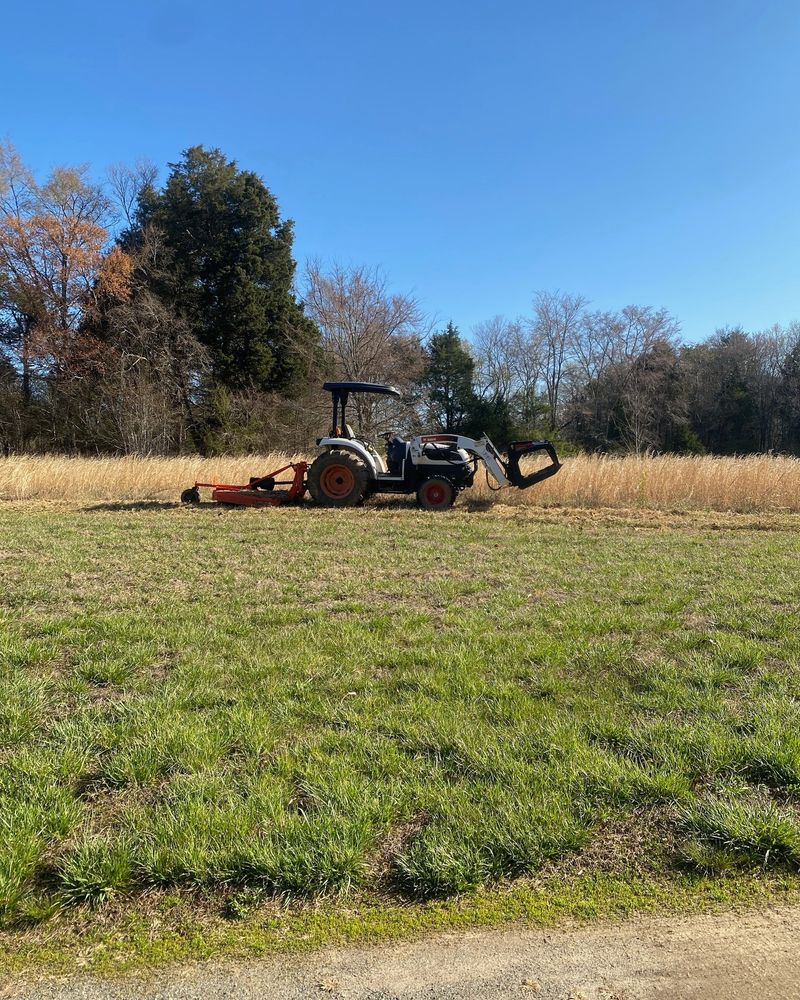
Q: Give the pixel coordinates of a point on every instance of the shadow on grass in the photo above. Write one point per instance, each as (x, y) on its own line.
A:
(477, 503)
(387, 502)
(122, 505)
(118, 506)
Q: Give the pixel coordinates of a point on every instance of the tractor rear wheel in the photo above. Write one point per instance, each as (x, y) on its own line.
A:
(338, 479)
(436, 493)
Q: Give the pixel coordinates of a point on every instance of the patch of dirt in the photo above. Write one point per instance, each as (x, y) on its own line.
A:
(399, 837)
(637, 842)
(302, 799)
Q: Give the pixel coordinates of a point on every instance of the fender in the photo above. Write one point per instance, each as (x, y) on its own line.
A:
(357, 448)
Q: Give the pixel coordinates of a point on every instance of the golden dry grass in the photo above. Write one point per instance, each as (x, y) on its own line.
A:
(668, 482)
(133, 477)
(755, 483)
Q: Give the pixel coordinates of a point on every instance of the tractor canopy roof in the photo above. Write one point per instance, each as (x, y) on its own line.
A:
(345, 388)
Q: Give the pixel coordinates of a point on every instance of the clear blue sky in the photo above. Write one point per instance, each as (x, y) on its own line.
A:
(641, 151)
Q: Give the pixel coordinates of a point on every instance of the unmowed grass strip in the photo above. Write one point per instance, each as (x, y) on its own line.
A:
(242, 710)
(750, 484)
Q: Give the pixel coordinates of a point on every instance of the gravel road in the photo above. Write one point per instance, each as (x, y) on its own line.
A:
(749, 956)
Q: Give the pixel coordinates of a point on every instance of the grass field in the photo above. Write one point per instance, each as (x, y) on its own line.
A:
(757, 483)
(204, 710)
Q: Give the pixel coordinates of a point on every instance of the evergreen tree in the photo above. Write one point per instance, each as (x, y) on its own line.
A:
(789, 401)
(448, 378)
(490, 417)
(723, 403)
(231, 270)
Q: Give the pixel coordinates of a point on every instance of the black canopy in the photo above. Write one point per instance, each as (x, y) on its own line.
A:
(340, 392)
(343, 388)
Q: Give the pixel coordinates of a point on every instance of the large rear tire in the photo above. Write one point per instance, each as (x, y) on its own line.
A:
(338, 479)
(436, 493)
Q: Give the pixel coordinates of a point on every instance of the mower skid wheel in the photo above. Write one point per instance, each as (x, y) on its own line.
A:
(338, 479)
(517, 450)
(192, 495)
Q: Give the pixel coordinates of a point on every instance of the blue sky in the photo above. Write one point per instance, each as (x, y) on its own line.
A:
(635, 152)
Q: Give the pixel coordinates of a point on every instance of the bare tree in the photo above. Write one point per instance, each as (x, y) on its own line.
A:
(556, 317)
(510, 360)
(641, 328)
(126, 184)
(593, 345)
(603, 353)
(137, 379)
(772, 347)
(369, 333)
(148, 373)
(652, 400)
(495, 343)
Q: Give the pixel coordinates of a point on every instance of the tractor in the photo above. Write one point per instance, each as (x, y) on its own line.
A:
(350, 469)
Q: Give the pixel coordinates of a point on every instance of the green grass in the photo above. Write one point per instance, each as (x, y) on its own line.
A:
(387, 710)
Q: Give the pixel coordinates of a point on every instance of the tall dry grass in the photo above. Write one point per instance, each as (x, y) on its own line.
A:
(755, 483)
(133, 477)
(669, 482)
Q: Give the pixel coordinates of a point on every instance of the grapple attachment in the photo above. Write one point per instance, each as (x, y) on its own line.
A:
(518, 450)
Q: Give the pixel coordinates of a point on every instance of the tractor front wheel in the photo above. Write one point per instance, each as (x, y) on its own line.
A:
(436, 493)
(338, 479)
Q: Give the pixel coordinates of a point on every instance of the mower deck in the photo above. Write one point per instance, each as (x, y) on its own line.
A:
(247, 497)
(259, 492)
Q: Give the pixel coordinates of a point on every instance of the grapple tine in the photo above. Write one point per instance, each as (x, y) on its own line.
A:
(517, 450)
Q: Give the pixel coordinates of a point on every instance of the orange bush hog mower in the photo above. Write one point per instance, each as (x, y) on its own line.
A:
(349, 469)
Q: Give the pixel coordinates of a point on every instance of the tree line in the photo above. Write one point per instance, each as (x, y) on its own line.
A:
(164, 319)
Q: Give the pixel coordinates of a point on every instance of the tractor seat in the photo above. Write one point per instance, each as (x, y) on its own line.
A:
(396, 449)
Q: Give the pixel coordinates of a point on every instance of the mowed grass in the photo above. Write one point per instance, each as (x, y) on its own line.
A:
(382, 704)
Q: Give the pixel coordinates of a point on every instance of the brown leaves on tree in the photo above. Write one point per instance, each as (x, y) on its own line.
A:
(52, 241)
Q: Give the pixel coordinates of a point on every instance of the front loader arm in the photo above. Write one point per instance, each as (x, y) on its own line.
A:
(505, 471)
(489, 455)
(482, 449)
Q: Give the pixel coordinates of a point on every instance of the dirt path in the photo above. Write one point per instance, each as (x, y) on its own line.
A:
(721, 957)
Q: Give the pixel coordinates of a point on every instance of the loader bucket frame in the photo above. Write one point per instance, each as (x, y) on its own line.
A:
(518, 450)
